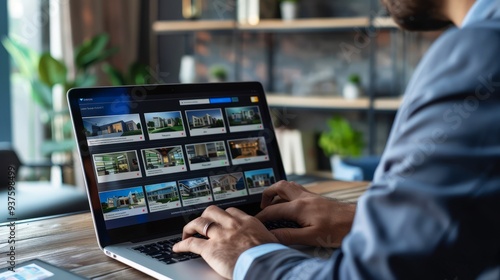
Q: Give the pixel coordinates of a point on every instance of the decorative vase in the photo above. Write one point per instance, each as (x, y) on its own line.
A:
(288, 10)
(248, 11)
(343, 171)
(187, 70)
(351, 91)
(191, 9)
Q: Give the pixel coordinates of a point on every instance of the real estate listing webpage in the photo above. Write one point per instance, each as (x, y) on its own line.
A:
(160, 159)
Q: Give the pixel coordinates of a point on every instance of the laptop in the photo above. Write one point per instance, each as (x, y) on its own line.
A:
(155, 156)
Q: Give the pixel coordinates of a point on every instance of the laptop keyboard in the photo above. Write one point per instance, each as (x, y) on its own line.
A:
(162, 250)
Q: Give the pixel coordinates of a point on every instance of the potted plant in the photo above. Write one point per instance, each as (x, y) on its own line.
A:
(342, 142)
(218, 73)
(289, 9)
(352, 89)
(42, 72)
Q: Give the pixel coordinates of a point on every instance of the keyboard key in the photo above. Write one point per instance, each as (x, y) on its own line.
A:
(162, 251)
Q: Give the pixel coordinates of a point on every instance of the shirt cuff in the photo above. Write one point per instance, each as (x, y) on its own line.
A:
(246, 258)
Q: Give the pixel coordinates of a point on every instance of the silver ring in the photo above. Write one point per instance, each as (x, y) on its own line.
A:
(206, 227)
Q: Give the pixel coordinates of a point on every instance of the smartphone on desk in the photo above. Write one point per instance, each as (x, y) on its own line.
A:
(37, 270)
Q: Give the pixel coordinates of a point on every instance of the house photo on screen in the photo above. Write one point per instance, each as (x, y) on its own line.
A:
(207, 155)
(258, 180)
(105, 130)
(116, 166)
(123, 203)
(248, 150)
(164, 160)
(164, 125)
(163, 196)
(195, 191)
(205, 122)
(227, 186)
(244, 118)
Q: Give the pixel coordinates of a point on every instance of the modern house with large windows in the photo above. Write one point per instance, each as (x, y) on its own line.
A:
(196, 190)
(243, 115)
(163, 122)
(225, 183)
(114, 127)
(168, 192)
(261, 180)
(203, 121)
(124, 201)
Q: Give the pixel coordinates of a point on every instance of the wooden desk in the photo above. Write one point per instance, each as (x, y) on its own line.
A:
(70, 242)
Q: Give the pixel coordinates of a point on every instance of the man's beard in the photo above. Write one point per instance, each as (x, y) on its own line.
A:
(416, 15)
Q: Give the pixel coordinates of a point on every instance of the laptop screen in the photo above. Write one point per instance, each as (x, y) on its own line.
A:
(157, 156)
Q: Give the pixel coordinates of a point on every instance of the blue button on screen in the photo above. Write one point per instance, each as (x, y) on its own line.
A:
(220, 100)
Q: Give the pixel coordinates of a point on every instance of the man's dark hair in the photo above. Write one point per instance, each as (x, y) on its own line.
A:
(417, 15)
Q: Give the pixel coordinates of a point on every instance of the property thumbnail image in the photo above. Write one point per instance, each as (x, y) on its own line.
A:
(207, 155)
(116, 166)
(195, 191)
(165, 125)
(228, 185)
(244, 118)
(207, 121)
(164, 160)
(248, 150)
(113, 129)
(258, 180)
(163, 196)
(123, 203)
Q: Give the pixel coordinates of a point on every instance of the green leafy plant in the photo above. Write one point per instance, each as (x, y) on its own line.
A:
(218, 72)
(42, 72)
(341, 139)
(355, 79)
(137, 74)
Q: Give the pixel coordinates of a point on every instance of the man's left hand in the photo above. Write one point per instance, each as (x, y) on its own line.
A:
(230, 233)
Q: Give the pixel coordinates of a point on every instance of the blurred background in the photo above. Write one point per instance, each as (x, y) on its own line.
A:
(316, 59)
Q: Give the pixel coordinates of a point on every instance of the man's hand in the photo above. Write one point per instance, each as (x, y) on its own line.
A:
(231, 233)
(324, 222)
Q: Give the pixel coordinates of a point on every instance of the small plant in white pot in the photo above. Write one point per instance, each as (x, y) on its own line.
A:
(289, 9)
(340, 142)
(352, 89)
(217, 74)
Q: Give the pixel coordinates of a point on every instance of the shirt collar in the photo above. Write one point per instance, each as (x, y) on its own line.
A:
(481, 10)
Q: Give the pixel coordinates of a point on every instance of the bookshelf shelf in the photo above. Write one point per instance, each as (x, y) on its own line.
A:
(307, 24)
(171, 26)
(320, 102)
(275, 25)
(384, 22)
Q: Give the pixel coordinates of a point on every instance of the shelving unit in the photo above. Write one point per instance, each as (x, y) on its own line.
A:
(179, 26)
(312, 24)
(369, 104)
(270, 25)
(333, 103)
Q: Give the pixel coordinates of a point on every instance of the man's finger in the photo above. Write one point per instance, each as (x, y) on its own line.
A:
(283, 211)
(197, 226)
(216, 214)
(285, 190)
(191, 244)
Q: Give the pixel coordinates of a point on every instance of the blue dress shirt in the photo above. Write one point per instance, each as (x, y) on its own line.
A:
(442, 162)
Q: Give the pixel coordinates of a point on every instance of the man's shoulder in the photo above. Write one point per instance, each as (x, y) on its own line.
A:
(454, 63)
(477, 36)
(476, 46)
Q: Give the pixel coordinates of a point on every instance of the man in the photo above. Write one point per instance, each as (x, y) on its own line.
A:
(432, 211)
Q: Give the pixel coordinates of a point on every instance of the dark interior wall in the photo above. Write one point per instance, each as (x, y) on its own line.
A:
(5, 112)
(170, 47)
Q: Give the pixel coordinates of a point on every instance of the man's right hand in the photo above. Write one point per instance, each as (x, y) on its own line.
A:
(324, 222)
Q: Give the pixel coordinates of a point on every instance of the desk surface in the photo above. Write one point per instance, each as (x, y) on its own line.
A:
(70, 242)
